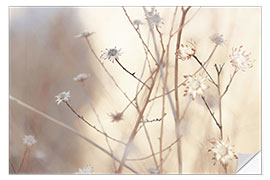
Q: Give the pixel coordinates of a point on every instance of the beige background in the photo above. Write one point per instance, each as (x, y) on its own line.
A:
(45, 56)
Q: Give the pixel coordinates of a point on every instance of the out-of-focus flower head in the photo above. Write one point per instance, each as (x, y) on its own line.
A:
(85, 33)
(186, 51)
(63, 96)
(85, 170)
(29, 140)
(111, 54)
(222, 151)
(195, 86)
(137, 22)
(116, 117)
(240, 59)
(81, 77)
(154, 17)
(218, 39)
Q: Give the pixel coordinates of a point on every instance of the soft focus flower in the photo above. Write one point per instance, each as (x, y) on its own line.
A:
(186, 51)
(154, 17)
(222, 151)
(85, 33)
(137, 22)
(111, 54)
(40, 155)
(81, 77)
(29, 140)
(195, 86)
(218, 39)
(116, 117)
(240, 59)
(85, 170)
(153, 171)
(63, 96)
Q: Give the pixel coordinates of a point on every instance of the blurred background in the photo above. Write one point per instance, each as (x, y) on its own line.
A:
(45, 56)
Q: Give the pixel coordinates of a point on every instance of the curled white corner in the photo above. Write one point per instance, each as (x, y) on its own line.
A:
(249, 163)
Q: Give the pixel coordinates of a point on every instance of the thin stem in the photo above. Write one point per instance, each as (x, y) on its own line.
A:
(74, 131)
(108, 73)
(211, 79)
(177, 119)
(24, 155)
(132, 74)
(182, 83)
(161, 160)
(12, 167)
(139, 34)
(227, 87)
(149, 156)
(211, 113)
(102, 128)
(92, 126)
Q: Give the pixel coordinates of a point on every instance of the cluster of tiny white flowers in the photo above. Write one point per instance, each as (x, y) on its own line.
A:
(186, 51)
(111, 54)
(154, 17)
(218, 39)
(222, 151)
(85, 33)
(29, 140)
(63, 96)
(240, 59)
(85, 170)
(195, 86)
(81, 77)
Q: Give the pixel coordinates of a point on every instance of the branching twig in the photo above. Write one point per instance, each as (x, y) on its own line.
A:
(227, 87)
(74, 131)
(92, 126)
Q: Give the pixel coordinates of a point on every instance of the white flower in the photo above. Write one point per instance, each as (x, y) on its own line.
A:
(195, 86)
(111, 54)
(186, 51)
(153, 171)
(240, 59)
(63, 96)
(85, 170)
(81, 77)
(85, 33)
(29, 140)
(137, 22)
(154, 17)
(40, 155)
(218, 39)
(222, 151)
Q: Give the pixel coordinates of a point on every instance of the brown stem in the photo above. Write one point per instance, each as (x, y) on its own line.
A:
(227, 87)
(163, 96)
(211, 113)
(177, 120)
(132, 74)
(24, 155)
(92, 126)
(134, 131)
(149, 156)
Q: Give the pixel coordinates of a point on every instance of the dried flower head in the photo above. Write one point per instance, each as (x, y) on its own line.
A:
(240, 59)
(85, 33)
(186, 51)
(222, 151)
(29, 140)
(195, 86)
(116, 117)
(218, 39)
(111, 54)
(154, 17)
(85, 170)
(63, 96)
(81, 77)
(137, 22)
